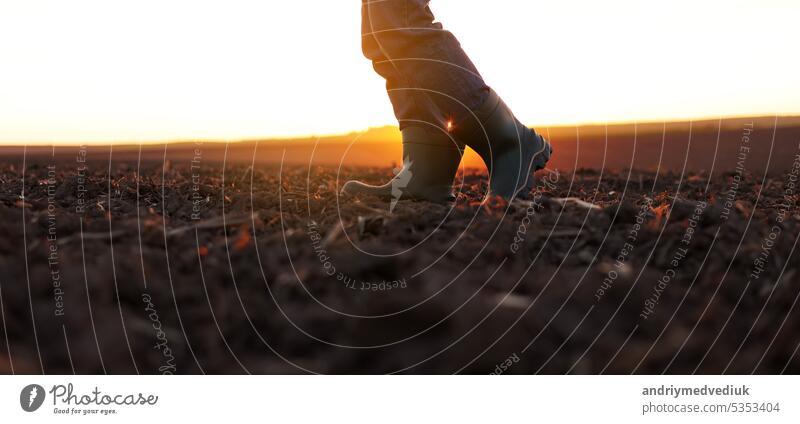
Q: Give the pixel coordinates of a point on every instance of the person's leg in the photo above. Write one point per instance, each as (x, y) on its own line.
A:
(432, 82)
(428, 75)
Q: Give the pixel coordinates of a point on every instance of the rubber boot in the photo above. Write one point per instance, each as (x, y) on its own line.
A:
(511, 151)
(430, 162)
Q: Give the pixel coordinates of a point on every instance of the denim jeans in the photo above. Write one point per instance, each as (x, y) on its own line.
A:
(429, 78)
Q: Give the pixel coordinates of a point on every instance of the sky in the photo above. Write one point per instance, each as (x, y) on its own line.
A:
(154, 70)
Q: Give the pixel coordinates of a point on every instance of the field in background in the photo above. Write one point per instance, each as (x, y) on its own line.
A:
(669, 147)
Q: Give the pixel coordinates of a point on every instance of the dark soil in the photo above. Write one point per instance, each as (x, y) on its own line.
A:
(277, 274)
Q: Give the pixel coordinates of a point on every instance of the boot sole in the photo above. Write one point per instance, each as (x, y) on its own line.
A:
(353, 188)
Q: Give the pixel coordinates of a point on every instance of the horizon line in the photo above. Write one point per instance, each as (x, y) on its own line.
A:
(303, 137)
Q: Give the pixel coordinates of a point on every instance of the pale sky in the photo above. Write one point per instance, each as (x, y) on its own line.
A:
(145, 70)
